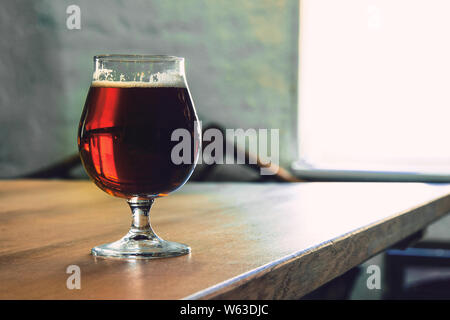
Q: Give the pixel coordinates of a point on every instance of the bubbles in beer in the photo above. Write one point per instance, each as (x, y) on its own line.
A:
(105, 78)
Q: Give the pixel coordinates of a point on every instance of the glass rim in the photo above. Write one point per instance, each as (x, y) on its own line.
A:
(137, 58)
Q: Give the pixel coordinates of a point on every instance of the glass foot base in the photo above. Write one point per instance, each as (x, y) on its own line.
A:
(139, 246)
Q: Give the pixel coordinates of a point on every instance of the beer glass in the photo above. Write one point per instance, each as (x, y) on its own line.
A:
(126, 142)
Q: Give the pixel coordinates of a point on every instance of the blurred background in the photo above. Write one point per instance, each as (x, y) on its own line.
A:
(358, 89)
(241, 67)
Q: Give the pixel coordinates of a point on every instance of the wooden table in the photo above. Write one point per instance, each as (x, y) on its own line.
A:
(258, 241)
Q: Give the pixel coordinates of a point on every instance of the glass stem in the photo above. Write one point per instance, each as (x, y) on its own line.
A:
(141, 228)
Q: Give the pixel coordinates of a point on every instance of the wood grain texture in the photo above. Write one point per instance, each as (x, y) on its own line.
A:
(249, 241)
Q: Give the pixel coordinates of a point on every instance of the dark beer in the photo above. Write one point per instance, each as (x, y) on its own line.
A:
(125, 138)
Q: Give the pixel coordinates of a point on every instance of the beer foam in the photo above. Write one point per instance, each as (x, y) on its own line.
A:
(155, 80)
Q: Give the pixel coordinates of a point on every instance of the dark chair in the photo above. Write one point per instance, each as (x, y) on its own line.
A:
(427, 262)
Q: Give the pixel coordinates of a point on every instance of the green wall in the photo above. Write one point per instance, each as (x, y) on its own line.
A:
(241, 65)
